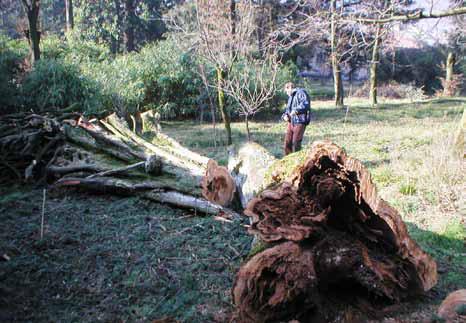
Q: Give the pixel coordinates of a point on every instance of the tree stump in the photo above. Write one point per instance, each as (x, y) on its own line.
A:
(335, 241)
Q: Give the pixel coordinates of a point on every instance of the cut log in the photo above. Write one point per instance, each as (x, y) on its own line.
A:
(360, 246)
(151, 166)
(124, 140)
(217, 185)
(95, 157)
(81, 137)
(188, 201)
(276, 282)
(106, 138)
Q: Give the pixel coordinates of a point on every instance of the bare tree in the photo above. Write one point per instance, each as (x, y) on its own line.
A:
(205, 81)
(216, 32)
(253, 85)
(224, 29)
(383, 15)
(456, 50)
(323, 21)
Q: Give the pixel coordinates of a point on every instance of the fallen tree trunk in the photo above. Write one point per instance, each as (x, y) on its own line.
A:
(162, 191)
(248, 167)
(166, 149)
(335, 241)
(105, 156)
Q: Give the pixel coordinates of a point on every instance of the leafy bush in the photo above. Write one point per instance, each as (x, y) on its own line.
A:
(12, 54)
(159, 78)
(81, 51)
(52, 47)
(54, 84)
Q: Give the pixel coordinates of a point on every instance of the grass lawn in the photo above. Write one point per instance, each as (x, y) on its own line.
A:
(115, 259)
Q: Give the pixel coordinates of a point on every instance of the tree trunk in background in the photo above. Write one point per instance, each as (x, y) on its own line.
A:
(337, 81)
(116, 41)
(338, 85)
(373, 71)
(205, 81)
(451, 61)
(233, 16)
(69, 15)
(248, 132)
(221, 103)
(459, 138)
(129, 25)
(33, 34)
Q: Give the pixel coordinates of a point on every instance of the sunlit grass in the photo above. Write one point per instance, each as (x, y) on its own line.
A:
(106, 258)
(407, 147)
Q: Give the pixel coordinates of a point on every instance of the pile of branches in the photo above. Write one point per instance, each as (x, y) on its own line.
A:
(29, 143)
(106, 155)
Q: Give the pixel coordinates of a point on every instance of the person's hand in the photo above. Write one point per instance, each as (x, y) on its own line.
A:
(286, 118)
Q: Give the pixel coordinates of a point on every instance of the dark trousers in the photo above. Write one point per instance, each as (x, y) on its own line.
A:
(294, 137)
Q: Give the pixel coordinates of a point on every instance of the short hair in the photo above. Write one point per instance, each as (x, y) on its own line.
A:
(289, 85)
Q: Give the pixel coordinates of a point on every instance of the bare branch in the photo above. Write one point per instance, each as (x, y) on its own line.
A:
(410, 16)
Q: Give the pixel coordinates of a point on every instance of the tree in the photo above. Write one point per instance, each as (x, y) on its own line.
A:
(449, 83)
(223, 30)
(130, 20)
(32, 8)
(69, 15)
(456, 50)
(323, 22)
(123, 25)
(335, 57)
(254, 84)
(384, 13)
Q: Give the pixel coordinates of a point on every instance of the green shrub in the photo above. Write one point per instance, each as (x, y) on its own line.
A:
(158, 77)
(52, 47)
(81, 51)
(419, 65)
(54, 84)
(12, 54)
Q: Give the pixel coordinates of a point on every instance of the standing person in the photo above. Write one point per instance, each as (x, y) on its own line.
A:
(298, 116)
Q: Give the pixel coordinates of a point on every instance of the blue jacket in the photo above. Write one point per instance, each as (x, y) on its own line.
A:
(300, 102)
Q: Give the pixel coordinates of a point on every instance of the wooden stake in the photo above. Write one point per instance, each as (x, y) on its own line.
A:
(43, 214)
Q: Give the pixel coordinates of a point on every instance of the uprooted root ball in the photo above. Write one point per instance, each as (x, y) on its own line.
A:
(336, 240)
